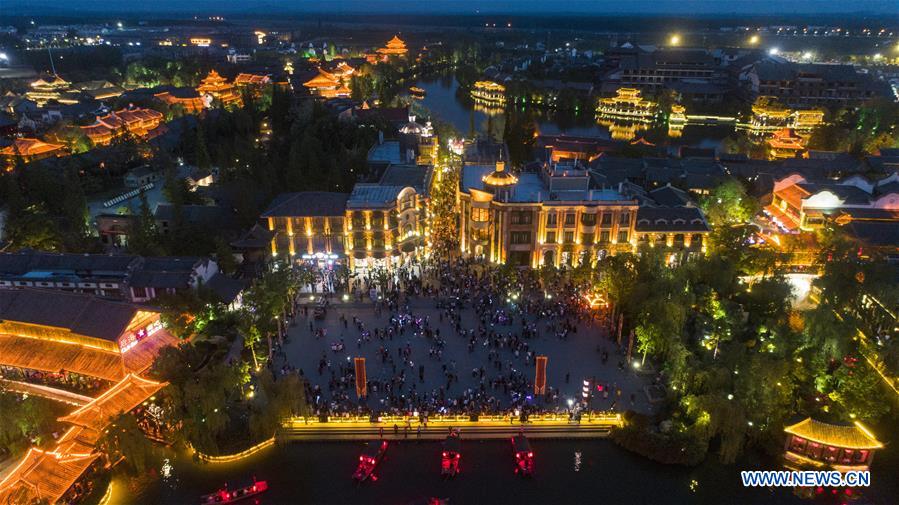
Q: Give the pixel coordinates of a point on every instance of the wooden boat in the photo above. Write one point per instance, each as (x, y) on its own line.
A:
(224, 495)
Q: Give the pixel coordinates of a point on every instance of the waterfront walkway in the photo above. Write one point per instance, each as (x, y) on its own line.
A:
(594, 425)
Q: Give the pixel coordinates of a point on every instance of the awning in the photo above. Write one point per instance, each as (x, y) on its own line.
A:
(855, 436)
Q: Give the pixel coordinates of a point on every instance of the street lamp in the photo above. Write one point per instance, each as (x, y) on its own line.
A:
(774, 51)
(753, 40)
(674, 40)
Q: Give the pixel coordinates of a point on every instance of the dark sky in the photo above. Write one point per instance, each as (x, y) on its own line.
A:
(468, 6)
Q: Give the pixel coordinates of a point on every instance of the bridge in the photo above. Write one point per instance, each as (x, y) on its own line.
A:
(485, 427)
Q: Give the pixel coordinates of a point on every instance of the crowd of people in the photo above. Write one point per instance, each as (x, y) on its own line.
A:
(500, 318)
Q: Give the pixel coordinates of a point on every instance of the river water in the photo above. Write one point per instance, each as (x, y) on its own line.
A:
(568, 471)
(442, 100)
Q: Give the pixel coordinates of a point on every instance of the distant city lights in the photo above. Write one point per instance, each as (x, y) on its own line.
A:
(774, 51)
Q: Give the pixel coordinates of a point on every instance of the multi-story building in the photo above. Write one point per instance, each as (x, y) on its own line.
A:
(808, 84)
(652, 71)
(377, 225)
(548, 217)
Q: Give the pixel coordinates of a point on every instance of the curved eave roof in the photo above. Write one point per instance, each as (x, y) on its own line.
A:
(849, 437)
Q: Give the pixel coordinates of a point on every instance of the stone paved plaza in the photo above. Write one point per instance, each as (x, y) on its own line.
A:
(579, 356)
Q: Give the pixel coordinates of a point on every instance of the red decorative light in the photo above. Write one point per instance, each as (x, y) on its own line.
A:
(530, 454)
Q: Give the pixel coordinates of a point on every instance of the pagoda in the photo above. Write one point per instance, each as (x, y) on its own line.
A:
(395, 47)
(785, 143)
(215, 86)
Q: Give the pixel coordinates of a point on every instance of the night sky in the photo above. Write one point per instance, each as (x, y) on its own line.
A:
(467, 6)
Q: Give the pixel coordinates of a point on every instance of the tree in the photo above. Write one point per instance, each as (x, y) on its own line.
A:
(123, 440)
(729, 204)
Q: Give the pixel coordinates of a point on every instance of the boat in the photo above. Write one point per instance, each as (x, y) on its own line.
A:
(224, 495)
(417, 92)
(451, 455)
(524, 456)
(372, 454)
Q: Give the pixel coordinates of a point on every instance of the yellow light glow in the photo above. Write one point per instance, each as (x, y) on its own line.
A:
(674, 40)
(754, 39)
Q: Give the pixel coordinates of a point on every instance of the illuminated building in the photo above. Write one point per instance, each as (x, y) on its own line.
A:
(138, 122)
(377, 225)
(249, 80)
(201, 41)
(327, 85)
(489, 93)
(628, 104)
(428, 145)
(343, 70)
(814, 445)
(215, 87)
(30, 149)
(185, 97)
(768, 113)
(558, 148)
(56, 335)
(50, 476)
(785, 143)
(677, 121)
(54, 88)
(549, 217)
(798, 204)
(395, 47)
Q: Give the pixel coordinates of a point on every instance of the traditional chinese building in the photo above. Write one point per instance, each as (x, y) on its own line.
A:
(57, 475)
(395, 47)
(814, 445)
(327, 85)
(187, 98)
(53, 88)
(138, 122)
(785, 143)
(57, 336)
(30, 149)
(627, 103)
(489, 93)
(217, 87)
(769, 113)
(252, 83)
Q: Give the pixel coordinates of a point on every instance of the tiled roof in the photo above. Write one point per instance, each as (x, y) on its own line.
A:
(670, 219)
(307, 203)
(81, 314)
(851, 437)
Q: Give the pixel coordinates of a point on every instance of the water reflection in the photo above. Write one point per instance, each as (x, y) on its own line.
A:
(443, 99)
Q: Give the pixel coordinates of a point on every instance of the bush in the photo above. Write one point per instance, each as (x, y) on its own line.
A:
(674, 448)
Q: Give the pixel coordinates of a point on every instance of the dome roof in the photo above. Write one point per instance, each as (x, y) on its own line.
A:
(500, 177)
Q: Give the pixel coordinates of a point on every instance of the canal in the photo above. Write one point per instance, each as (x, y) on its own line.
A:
(443, 101)
(568, 471)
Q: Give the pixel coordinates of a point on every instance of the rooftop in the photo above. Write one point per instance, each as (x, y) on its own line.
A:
(307, 203)
(81, 314)
(855, 436)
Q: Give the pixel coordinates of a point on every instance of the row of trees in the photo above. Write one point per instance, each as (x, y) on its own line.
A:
(738, 359)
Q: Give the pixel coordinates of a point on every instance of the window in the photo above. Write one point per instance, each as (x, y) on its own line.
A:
(588, 219)
(522, 217)
(605, 236)
(587, 238)
(479, 215)
(358, 220)
(550, 237)
(606, 219)
(569, 237)
(520, 237)
(569, 219)
(551, 219)
(622, 237)
(377, 220)
(624, 219)
(139, 292)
